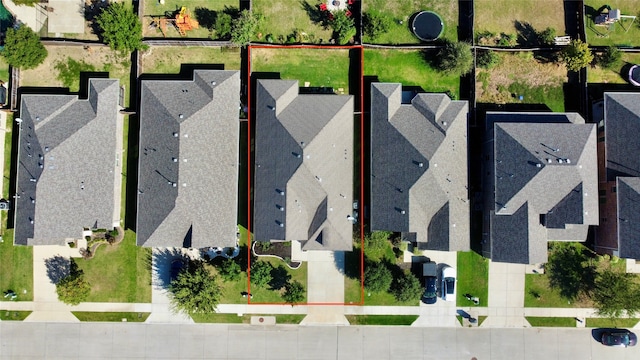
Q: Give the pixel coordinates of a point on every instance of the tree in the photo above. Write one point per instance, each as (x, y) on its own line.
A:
(195, 289)
(229, 270)
(455, 58)
(343, 27)
(73, 289)
(223, 26)
(26, 2)
(547, 36)
(375, 23)
(23, 49)
(487, 59)
(610, 57)
(616, 293)
(377, 277)
(577, 55)
(244, 27)
(293, 292)
(569, 270)
(120, 28)
(261, 273)
(407, 288)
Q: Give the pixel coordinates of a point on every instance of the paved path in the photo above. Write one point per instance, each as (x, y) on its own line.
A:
(234, 341)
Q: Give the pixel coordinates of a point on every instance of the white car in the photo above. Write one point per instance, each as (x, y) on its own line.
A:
(448, 290)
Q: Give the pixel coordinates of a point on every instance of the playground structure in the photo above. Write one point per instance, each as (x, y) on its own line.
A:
(608, 17)
(181, 20)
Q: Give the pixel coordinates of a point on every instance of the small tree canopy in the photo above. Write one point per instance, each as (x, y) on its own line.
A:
(377, 277)
(223, 26)
(375, 23)
(610, 57)
(120, 28)
(569, 270)
(455, 58)
(577, 55)
(261, 273)
(616, 293)
(229, 270)
(547, 36)
(244, 27)
(23, 49)
(407, 288)
(293, 292)
(343, 27)
(73, 289)
(195, 289)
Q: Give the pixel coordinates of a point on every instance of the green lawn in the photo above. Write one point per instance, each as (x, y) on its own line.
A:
(282, 17)
(111, 316)
(6, 315)
(481, 319)
(538, 293)
(611, 323)
(409, 68)
(616, 75)
(197, 8)
(168, 59)
(329, 68)
(401, 11)
(119, 273)
(381, 319)
(473, 278)
(551, 321)
(244, 319)
(16, 266)
(500, 15)
(542, 83)
(624, 33)
(4, 71)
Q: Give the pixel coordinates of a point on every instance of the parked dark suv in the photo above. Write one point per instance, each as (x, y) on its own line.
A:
(430, 273)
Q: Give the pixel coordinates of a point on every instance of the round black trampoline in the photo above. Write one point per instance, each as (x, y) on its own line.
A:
(427, 26)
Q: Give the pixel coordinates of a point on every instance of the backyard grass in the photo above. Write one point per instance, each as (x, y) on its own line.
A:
(611, 323)
(410, 68)
(244, 319)
(282, 17)
(6, 315)
(622, 33)
(111, 316)
(538, 284)
(381, 319)
(168, 59)
(551, 321)
(499, 16)
(542, 83)
(119, 273)
(617, 75)
(91, 58)
(197, 8)
(473, 278)
(16, 266)
(329, 68)
(401, 11)
(4, 71)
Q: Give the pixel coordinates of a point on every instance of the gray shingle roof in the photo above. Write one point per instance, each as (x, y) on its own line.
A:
(188, 167)
(545, 173)
(628, 197)
(419, 167)
(303, 187)
(68, 165)
(622, 126)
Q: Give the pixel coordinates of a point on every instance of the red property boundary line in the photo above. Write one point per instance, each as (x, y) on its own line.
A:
(249, 180)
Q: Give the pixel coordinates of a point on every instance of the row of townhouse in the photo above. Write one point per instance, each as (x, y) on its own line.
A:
(539, 170)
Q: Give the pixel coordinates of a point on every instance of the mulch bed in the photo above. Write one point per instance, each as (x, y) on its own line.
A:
(279, 249)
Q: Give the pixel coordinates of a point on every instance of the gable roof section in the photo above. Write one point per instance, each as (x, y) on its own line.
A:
(628, 198)
(549, 168)
(303, 167)
(68, 164)
(419, 167)
(188, 166)
(622, 126)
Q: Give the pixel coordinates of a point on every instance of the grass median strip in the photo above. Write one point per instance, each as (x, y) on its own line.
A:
(611, 323)
(381, 319)
(244, 319)
(111, 316)
(537, 321)
(7, 315)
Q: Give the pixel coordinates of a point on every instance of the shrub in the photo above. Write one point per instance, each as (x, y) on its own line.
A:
(577, 55)
(610, 57)
(377, 277)
(407, 288)
(244, 27)
(223, 26)
(487, 59)
(23, 49)
(508, 40)
(261, 273)
(293, 292)
(375, 23)
(455, 58)
(229, 270)
(547, 36)
(343, 27)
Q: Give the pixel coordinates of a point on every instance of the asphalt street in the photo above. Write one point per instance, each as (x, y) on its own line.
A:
(23, 340)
